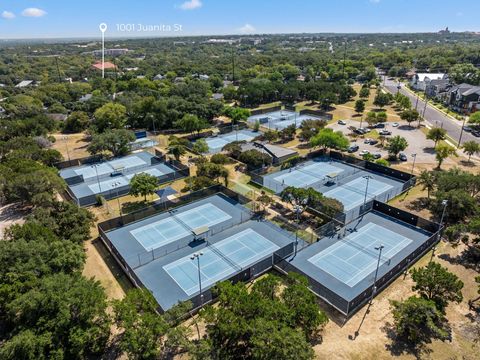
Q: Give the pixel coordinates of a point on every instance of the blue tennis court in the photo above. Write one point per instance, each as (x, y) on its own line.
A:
(220, 260)
(215, 144)
(353, 258)
(307, 175)
(178, 226)
(125, 163)
(352, 194)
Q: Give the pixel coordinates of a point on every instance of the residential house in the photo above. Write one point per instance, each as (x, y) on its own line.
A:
(217, 96)
(159, 77)
(463, 98)
(422, 80)
(437, 87)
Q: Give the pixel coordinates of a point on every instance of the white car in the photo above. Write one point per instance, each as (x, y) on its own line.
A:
(364, 152)
(395, 124)
(341, 122)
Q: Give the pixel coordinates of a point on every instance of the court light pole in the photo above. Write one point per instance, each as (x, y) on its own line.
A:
(414, 156)
(196, 256)
(66, 146)
(367, 177)
(444, 204)
(374, 289)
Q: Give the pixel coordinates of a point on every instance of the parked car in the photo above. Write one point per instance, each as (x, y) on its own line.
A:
(380, 126)
(353, 148)
(402, 157)
(385, 132)
(467, 129)
(360, 131)
(377, 156)
(476, 133)
(341, 122)
(395, 124)
(367, 141)
(364, 152)
(373, 142)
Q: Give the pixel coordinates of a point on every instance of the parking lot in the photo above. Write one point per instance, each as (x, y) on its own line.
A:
(417, 142)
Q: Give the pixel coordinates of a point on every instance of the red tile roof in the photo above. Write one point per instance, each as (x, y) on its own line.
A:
(108, 65)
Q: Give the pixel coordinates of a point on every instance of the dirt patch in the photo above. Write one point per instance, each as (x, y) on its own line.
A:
(11, 214)
(71, 146)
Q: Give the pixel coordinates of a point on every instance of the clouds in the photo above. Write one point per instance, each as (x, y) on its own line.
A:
(191, 4)
(33, 12)
(8, 15)
(28, 12)
(247, 29)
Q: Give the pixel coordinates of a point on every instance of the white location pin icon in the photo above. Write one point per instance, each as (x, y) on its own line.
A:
(103, 27)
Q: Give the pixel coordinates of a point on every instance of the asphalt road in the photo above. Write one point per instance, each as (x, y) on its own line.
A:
(433, 117)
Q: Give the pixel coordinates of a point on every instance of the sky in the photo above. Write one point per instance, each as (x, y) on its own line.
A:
(147, 18)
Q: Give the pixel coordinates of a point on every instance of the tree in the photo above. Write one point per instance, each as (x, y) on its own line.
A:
(409, 115)
(200, 146)
(146, 334)
(372, 118)
(436, 283)
(213, 171)
(110, 116)
(143, 184)
(474, 119)
(270, 321)
(288, 133)
(443, 151)
(177, 147)
(395, 145)
(364, 92)
(66, 220)
(116, 141)
(77, 122)
(310, 127)
(359, 106)
(191, 123)
(471, 148)
(418, 320)
(436, 134)
(381, 99)
(264, 199)
(234, 149)
(329, 139)
(220, 159)
(383, 162)
(236, 114)
(254, 159)
(427, 180)
(271, 135)
(64, 316)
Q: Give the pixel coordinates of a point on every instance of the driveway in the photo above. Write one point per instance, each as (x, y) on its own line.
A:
(433, 117)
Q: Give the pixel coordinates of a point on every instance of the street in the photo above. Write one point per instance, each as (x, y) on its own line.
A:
(433, 117)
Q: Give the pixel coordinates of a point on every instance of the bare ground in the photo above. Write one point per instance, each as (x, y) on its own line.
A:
(9, 215)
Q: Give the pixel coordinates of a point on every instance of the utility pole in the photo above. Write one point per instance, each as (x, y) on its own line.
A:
(233, 66)
(461, 132)
(58, 69)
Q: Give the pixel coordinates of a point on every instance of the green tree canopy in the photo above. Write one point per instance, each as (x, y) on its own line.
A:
(116, 142)
(437, 134)
(143, 184)
(110, 116)
(395, 145)
(329, 139)
(417, 320)
(436, 283)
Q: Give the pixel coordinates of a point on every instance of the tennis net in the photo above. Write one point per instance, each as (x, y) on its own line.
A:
(224, 257)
